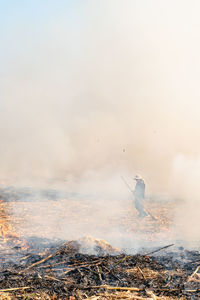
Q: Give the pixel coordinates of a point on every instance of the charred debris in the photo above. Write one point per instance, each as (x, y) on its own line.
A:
(38, 268)
(61, 271)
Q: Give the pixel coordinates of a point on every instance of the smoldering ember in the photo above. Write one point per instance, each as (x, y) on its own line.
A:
(38, 266)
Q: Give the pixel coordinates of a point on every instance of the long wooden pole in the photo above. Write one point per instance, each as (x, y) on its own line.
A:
(132, 193)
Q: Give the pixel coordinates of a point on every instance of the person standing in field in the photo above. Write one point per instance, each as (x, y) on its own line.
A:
(139, 196)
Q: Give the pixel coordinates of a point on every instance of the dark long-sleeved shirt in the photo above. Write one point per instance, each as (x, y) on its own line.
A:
(139, 191)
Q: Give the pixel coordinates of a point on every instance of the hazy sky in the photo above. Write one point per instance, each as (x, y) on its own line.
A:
(82, 80)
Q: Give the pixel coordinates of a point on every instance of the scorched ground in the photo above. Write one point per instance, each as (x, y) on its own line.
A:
(36, 265)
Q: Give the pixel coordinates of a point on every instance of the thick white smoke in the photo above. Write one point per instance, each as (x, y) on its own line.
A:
(185, 185)
(102, 88)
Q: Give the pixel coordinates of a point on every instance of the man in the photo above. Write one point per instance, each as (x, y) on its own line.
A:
(139, 194)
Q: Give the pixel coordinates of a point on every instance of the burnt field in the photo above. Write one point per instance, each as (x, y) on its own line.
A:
(41, 258)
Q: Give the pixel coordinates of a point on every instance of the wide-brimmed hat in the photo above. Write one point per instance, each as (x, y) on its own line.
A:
(138, 177)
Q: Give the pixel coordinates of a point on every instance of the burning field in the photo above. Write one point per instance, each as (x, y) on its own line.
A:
(139, 259)
(93, 94)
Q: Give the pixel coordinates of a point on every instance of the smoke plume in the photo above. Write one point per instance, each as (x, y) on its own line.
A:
(96, 89)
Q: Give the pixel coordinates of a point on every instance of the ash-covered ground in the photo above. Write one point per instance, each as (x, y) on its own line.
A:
(58, 214)
(59, 244)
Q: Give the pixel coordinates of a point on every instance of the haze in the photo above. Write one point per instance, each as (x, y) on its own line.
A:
(101, 87)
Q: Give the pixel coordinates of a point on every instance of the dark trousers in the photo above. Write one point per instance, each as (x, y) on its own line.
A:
(138, 202)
